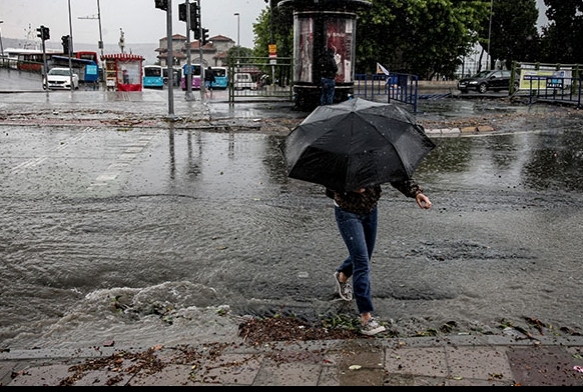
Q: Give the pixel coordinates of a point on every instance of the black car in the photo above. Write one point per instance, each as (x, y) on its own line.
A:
(494, 80)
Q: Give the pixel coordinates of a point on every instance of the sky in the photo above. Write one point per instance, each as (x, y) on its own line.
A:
(140, 21)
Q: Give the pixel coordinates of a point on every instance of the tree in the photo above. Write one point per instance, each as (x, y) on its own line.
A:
(427, 38)
(561, 37)
(514, 35)
(278, 31)
(235, 51)
(421, 37)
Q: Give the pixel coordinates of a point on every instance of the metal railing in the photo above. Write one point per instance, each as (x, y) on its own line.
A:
(271, 78)
(551, 89)
(399, 87)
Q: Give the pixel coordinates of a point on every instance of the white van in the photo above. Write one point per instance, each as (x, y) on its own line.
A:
(243, 81)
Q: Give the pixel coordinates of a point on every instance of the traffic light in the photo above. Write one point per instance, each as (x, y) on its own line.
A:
(197, 34)
(205, 36)
(43, 33)
(194, 18)
(182, 12)
(161, 4)
(65, 43)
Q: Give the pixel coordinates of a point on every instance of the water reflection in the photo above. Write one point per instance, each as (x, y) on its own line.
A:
(536, 161)
(241, 165)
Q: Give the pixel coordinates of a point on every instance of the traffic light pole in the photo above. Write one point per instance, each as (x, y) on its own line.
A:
(70, 49)
(45, 65)
(170, 61)
(188, 96)
(166, 5)
(43, 34)
(200, 58)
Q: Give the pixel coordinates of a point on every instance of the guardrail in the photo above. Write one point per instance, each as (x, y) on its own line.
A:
(545, 88)
(399, 87)
(271, 78)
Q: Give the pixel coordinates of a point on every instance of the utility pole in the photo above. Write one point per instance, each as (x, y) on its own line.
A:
(238, 15)
(98, 17)
(100, 43)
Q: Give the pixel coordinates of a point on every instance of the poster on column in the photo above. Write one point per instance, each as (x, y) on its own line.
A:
(339, 36)
(306, 49)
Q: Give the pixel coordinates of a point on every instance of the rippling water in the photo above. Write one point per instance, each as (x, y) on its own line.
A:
(154, 235)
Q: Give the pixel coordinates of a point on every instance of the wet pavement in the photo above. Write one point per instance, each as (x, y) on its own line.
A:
(423, 361)
(512, 359)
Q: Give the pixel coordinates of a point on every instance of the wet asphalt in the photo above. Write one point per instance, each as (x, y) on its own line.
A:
(502, 360)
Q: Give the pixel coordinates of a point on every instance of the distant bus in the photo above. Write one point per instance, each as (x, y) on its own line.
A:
(195, 76)
(87, 55)
(221, 77)
(153, 77)
(32, 59)
(86, 69)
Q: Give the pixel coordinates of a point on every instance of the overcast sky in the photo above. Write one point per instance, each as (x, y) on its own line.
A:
(140, 21)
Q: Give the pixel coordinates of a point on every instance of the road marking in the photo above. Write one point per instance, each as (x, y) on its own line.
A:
(33, 162)
(122, 161)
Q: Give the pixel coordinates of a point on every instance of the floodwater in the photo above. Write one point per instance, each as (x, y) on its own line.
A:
(153, 236)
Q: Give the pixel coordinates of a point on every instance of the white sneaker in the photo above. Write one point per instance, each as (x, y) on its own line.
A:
(344, 288)
(371, 327)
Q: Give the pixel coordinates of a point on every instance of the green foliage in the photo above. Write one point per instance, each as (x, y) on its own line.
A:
(514, 35)
(278, 31)
(430, 38)
(421, 37)
(562, 36)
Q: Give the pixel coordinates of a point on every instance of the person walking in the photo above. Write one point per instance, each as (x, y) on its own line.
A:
(356, 214)
(328, 69)
(209, 78)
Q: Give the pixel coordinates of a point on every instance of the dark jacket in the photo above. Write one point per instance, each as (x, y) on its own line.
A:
(209, 75)
(364, 203)
(327, 65)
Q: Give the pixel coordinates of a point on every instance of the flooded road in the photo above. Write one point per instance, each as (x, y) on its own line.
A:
(154, 235)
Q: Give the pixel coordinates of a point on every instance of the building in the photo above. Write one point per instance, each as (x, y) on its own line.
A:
(214, 53)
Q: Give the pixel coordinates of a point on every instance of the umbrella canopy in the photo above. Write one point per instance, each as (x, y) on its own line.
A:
(355, 144)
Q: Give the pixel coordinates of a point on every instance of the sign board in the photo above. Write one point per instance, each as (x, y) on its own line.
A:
(544, 78)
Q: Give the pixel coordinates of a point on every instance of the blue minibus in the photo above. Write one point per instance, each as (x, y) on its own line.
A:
(153, 77)
(221, 77)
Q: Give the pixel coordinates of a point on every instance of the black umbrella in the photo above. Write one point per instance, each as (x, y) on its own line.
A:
(355, 144)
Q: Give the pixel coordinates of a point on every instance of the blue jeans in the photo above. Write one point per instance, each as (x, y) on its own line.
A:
(359, 232)
(327, 95)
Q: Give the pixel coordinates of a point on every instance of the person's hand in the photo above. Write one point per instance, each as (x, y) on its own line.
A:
(423, 201)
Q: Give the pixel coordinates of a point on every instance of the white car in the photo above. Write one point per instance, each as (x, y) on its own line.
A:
(244, 81)
(60, 79)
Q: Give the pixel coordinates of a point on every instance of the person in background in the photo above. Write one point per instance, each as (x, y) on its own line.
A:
(209, 78)
(356, 217)
(328, 69)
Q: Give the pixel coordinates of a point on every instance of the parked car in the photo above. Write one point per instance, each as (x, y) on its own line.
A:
(60, 79)
(493, 80)
(242, 81)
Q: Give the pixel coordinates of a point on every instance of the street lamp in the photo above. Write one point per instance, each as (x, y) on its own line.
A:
(1, 45)
(238, 34)
(489, 35)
